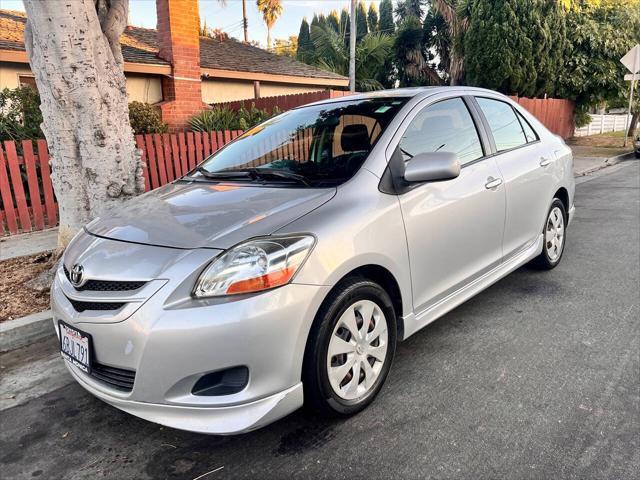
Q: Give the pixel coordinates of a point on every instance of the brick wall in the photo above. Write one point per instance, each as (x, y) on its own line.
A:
(179, 44)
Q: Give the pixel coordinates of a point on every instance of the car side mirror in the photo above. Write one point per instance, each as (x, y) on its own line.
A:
(431, 167)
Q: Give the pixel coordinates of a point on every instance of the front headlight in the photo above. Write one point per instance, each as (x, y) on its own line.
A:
(254, 266)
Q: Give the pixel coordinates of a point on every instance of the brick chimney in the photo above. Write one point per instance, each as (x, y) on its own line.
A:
(179, 44)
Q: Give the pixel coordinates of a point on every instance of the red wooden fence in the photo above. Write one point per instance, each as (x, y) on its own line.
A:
(27, 200)
(554, 113)
(283, 102)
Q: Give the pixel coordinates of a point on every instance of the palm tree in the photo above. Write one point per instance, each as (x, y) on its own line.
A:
(371, 53)
(271, 10)
(456, 15)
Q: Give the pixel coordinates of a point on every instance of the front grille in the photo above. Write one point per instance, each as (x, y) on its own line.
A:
(82, 306)
(106, 285)
(118, 378)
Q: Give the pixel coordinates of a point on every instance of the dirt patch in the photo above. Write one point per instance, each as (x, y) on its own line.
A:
(19, 300)
(610, 142)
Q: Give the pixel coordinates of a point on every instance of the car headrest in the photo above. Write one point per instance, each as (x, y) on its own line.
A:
(355, 138)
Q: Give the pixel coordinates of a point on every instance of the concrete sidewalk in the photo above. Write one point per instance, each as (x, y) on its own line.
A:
(28, 243)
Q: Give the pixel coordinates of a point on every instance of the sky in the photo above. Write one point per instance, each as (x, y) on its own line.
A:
(229, 18)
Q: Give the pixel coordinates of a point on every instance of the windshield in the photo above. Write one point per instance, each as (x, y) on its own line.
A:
(319, 145)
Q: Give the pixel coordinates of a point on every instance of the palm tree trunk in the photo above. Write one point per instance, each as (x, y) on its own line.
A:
(269, 37)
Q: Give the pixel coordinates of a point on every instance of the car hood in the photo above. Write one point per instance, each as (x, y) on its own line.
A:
(210, 215)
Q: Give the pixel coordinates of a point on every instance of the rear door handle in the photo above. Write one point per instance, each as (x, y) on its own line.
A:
(492, 183)
(544, 161)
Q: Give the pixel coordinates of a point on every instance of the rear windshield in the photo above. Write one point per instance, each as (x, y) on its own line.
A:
(319, 145)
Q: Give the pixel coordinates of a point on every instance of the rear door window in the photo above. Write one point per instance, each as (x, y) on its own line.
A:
(505, 126)
(529, 132)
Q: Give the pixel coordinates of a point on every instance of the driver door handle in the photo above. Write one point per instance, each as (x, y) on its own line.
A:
(492, 183)
(544, 161)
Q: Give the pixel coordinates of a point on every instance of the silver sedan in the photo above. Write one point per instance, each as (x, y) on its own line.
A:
(287, 266)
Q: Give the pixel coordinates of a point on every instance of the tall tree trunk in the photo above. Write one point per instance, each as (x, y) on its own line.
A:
(268, 37)
(74, 52)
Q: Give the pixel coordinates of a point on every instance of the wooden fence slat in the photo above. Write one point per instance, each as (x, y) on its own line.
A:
(206, 144)
(5, 192)
(153, 167)
(184, 163)
(221, 142)
(18, 189)
(175, 152)
(162, 169)
(32, 182)
(143, 159)
(47, 186)
(191, 151)
(214, 142)
(227, 136)
(168, 160)
(198, 140)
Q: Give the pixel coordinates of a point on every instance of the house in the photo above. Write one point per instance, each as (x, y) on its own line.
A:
(177, 68)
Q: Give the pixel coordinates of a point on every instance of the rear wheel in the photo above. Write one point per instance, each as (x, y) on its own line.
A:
(554, 236)
(350, 349)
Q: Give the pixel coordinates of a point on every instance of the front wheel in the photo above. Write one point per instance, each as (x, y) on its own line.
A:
(350, 349)
(554, 236)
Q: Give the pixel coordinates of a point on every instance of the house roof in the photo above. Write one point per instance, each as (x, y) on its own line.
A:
(140, 46)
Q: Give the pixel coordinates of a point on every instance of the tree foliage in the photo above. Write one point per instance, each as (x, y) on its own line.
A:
(599, 34)
(411, 57)
(361, 20)
(514, 46)
(372, 18)
(20, 115)
(387, 25)
(332, 54)
(409, 8)
(304, 51)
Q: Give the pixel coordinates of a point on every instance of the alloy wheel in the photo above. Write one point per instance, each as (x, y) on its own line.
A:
(357, 350)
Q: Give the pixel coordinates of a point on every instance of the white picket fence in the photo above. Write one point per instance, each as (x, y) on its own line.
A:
(603, 123)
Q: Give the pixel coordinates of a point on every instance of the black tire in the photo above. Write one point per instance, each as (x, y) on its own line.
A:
(637, 154)
(319, 394)
(544, 260)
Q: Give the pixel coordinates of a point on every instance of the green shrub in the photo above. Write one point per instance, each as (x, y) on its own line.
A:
(581, 117)
(223, 118)
(145, 118)
(20, 115)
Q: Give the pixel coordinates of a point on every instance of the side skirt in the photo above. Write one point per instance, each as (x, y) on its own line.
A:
(415, 322)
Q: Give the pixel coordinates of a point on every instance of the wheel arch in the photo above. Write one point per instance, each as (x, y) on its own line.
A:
(563, 195)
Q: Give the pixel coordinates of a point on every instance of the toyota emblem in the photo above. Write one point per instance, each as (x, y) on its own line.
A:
(76, 275)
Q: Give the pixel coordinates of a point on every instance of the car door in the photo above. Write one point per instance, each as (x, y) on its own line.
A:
(526, 165)
(454, 228)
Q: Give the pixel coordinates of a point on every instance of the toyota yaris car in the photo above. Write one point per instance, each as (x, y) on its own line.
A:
(286, 267)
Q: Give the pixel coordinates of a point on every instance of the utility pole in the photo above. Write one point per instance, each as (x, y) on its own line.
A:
(352, 48)
(245, 25)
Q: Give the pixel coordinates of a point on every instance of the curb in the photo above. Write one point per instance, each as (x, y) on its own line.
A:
(607, 162)
(23, 331)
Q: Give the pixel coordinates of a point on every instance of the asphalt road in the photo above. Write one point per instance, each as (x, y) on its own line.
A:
(537, 377)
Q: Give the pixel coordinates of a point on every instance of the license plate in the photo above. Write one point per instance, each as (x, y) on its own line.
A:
(75, 346)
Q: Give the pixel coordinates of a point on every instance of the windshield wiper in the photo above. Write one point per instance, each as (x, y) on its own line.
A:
(285, 174)
(253, 174)
(223, 174)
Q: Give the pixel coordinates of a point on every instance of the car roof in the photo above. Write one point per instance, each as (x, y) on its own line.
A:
(406, 92)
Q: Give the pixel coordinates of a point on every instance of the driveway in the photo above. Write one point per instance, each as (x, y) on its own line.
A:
(537, 377)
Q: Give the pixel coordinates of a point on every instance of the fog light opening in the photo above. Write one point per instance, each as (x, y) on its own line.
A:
(223, 382)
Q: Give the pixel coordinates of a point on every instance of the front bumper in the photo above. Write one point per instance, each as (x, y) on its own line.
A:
(171, 340)
(227, 420)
